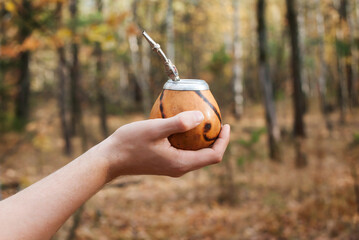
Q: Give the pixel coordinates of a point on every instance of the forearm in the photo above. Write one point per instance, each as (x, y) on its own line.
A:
(38, 211)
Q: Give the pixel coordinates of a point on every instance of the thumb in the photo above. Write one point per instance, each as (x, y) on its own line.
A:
(182, 122)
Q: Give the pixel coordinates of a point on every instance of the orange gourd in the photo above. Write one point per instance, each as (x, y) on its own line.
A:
(187, 95)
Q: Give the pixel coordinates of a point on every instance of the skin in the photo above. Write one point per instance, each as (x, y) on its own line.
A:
(38, 211)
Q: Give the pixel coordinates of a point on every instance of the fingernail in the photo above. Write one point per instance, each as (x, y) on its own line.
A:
(198, 117)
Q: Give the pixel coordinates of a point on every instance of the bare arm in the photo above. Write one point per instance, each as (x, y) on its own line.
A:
(142, 147)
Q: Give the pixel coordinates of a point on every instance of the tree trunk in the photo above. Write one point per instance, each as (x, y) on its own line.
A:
(267, 88)
(322, 83)
(346, 38)
(343, 89)
(126, 93)
(76, 221)
(140, 76)
(322, 79)
(306, 86)
(61, 71)
(237, 80)
(74, 70)
(62, 100)
(76, 112)
(23, 84)
(298, 96)
(170, 32)
(99, 79)
(354, 55)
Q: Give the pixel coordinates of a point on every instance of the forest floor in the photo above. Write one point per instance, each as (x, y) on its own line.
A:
(247, 196)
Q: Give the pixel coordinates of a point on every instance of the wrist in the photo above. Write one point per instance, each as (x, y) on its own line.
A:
(109, 154)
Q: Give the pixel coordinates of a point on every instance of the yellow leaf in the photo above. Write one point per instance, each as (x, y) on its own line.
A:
(114, 20)
(42, 142)
(109, 43)
(98, 33)
(10, 6)
(63, 33)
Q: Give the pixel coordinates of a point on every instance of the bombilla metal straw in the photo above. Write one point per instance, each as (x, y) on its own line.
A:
(171, 69)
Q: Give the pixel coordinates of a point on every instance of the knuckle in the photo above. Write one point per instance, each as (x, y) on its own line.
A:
(217, 158)
(181, 123)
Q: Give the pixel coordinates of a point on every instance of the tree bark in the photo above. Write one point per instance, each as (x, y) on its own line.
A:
(354, 54)
(346, 38)
(170, 32)
(237, 80)
(99, 79)
(267, 86)
(23, 84)
(306, 86)
(76, 221)
(74, 70)
(322, 83)
(298, 96)
(77, 123)
(61, 99)
(343, 89)
(140, 76)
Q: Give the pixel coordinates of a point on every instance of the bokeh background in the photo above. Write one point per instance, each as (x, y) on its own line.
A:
(285, 75)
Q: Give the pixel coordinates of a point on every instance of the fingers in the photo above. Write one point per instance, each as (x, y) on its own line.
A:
(182, 122)
(223, 139)
(192, 160)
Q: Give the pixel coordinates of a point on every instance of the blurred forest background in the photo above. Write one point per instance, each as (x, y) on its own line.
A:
(285, 75)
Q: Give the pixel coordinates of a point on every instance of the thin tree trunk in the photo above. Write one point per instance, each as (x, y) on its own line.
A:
(99, 79)
(141, 77)
(146, 59)
(342, 86)
(23, 84)
(354, 54)
(62, 100)
(267, 86)
(74, 70)
(342, 91)
(76, 223)
(298, 96)
(170, 32)
(77, 123)
(237, 68)
(322, 85)
(346, 37)
(322, 79)
(227, 38)
(227, 184)
(125, 93)
(302, 37)
(61, 71)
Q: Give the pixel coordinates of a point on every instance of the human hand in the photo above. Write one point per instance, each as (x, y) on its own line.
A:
(143, 148)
